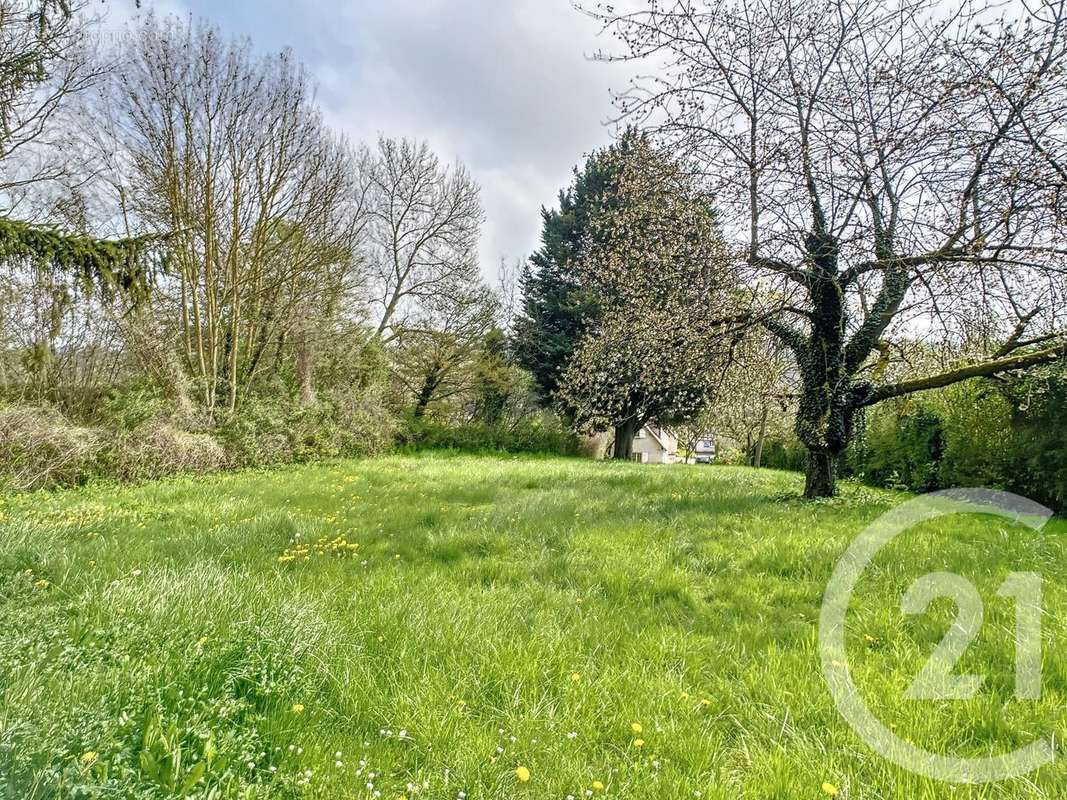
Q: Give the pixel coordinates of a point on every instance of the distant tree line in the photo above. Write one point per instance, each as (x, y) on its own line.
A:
(192, 257)
(811, 214)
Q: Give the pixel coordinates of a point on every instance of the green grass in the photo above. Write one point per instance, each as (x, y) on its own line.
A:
(497, 613)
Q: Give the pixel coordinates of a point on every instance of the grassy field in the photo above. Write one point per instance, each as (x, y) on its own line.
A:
(450, 627)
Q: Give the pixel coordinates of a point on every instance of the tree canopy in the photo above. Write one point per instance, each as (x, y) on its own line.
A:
(655, 263)
(109, 266)
(556, 308)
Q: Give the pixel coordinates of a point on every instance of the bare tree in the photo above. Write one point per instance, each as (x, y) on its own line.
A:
(43, 61)
(227, 154)
(508, 287)
(424, 221)
(437, 352)
(883, 168)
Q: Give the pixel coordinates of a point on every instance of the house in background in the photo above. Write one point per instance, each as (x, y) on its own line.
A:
(655, 445)
(703, 450)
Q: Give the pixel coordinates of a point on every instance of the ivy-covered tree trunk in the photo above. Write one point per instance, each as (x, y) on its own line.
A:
(820, 476)
(825, 409)
(429, 385)
(624, 439)
(824, 427)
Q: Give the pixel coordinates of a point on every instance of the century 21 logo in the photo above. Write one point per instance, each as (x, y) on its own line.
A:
(936, 681)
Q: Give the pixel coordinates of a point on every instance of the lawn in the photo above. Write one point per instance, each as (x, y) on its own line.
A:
(446, 627)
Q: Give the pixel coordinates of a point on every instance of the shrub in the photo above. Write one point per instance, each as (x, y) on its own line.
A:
(901, 447)
(144, 438)
(526, 437)
(159, 448)
(730, 456)
(364, 422)
(1041, 463)
(979, 436)
(785, 453)
(267, 431)
(1039, 446)
(129, 407)
(1000, 435)
(40, 448)
(257, 435)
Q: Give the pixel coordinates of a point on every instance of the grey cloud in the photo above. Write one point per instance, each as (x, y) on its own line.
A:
(503, 86)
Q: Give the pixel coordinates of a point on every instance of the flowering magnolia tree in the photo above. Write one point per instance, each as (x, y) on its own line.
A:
(888, 169)
(655, 265)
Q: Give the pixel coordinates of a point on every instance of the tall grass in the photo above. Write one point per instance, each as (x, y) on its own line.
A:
(425, 626)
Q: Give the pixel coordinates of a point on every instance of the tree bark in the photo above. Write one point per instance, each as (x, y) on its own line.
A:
(757, 458)
(825, 414)
(624, 440)
(821, 475)
(983, 369)
(429, 385)
(305, 369)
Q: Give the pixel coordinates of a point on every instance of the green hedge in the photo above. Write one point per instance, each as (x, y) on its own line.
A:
(784, 454)
(526, 437)
(1009, 435)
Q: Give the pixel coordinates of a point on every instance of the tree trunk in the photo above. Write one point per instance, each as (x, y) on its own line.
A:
(757, 458)
(624, 439)
(825, 413)
(305, 369)
(821, 475)
(426, 392)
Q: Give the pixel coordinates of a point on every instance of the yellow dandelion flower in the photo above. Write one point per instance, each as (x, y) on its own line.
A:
(522, 774)
(576, 676)
(830, 789)
(635, 727)
(598, 786)
(201, 641)
(88, 757)
(42, 584)
(684, 695)
(298, 708)
(639, 742)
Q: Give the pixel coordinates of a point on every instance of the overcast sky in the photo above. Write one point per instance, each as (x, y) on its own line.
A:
(503, 85)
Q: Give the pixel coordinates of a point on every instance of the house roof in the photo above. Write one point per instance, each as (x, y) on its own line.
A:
(659, 440)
